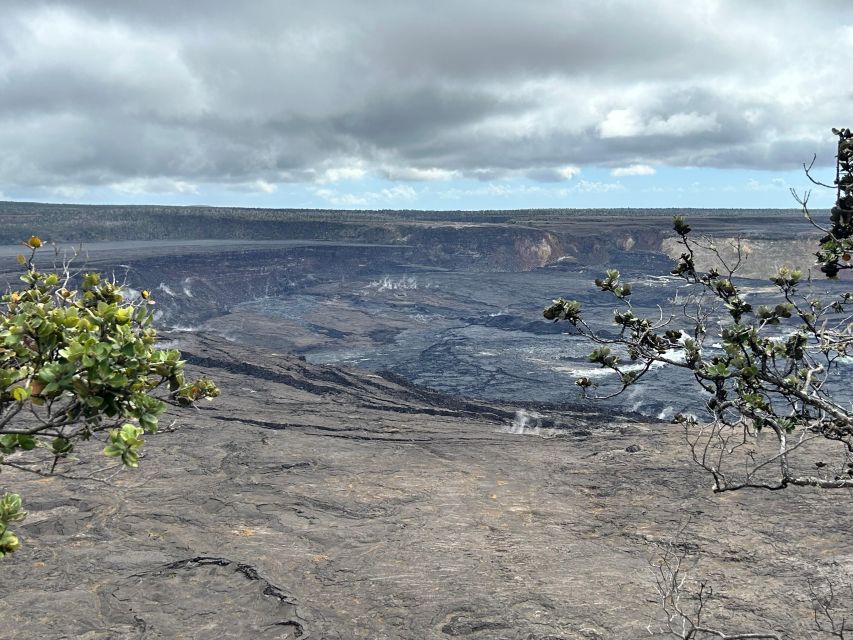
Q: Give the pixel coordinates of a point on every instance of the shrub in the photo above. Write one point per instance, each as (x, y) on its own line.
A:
(78, 360)
(778, 368)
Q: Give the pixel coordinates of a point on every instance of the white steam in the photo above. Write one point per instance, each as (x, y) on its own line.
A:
(386, 283)
(526, 423)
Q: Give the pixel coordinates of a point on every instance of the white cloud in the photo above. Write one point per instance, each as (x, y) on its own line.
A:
(355, 171)
(627, 123)
(101, 93)
(773, 184)
(621, 123)
(634, 170)
(389, 196)
(341, 199)
(588, 186)
(500, 190)
(511, 189)
(399, 192)
(94, 55)
(255, 186)
(568, 172)
(155, 185)
(419, 175)
(73, 192)
(682, 124)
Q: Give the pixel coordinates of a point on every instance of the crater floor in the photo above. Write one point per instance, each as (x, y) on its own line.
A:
(315, 502)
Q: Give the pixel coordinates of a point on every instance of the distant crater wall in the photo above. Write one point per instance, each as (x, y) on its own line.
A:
(761, 257)
(193, 287)
(509, 248)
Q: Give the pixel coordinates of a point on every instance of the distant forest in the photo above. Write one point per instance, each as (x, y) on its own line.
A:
(92, 223)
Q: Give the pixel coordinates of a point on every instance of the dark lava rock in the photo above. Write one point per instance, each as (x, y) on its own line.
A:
(633, 448)
(324, 503)
(239, 602)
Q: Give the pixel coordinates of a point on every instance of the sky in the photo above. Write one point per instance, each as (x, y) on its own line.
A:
(393, 104)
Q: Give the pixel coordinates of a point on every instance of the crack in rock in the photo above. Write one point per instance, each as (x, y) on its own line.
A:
(207, 597)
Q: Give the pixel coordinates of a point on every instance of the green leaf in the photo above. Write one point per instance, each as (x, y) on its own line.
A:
(130, 432)
(124, 315)
(149, 422)
(20, 394)
(9, 543)
(27, 443)
(10, 508)
(8, 443)
(130, 458)
(61, 446)
(117, 380)
(114, 450)
(718, 370)
(679, 224)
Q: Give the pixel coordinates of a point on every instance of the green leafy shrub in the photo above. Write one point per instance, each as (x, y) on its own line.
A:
(78, 360)
(775, 369)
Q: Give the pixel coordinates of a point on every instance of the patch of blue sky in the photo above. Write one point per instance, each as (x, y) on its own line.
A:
(637, 186)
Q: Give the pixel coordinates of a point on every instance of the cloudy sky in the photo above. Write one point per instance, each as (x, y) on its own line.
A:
(460, 104)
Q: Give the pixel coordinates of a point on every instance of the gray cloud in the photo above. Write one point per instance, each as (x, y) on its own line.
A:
(97, 92)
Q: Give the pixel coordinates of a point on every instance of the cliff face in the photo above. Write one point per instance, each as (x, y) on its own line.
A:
(531, 254)
(194, 282)
(518, 248)
(761, 257)
(486, 247)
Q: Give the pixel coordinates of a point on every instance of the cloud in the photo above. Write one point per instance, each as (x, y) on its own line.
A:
(634, 170)
(621, 123)
(400, 192)
(337, 199)
(415, 174)
(625, 123)
(67, 192)
(588, 186)
(397, 195)
(155, 185)
(499, 190)
(553, 174)
(774, 184)
(123, 95)
(256, 186)
(336, 174)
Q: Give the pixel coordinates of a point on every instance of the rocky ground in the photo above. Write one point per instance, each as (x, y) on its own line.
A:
(313, 502)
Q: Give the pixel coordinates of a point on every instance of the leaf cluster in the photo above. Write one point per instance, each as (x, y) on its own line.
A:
(771, 367)
(834, 254)
(78, 357)
(10, 511)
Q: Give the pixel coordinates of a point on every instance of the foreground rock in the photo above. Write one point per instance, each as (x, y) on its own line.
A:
(312, 502)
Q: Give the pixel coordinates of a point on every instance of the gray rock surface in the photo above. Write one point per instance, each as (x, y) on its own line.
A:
(313, 502)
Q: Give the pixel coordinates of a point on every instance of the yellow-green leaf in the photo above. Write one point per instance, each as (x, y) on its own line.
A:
(20, 394)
